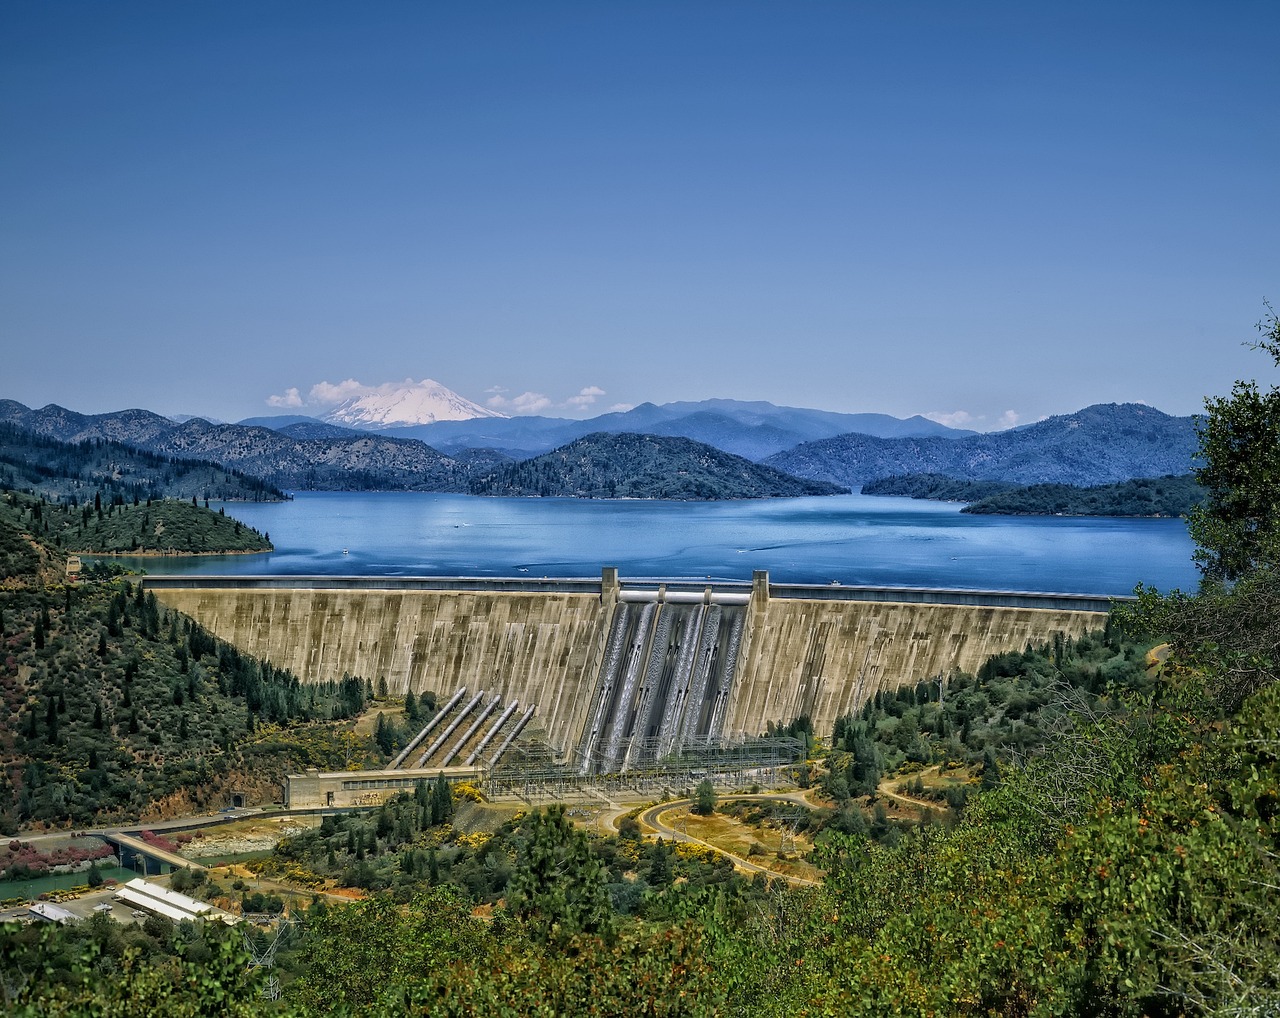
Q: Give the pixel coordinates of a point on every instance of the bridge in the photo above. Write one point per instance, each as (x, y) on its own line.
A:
(612, 674)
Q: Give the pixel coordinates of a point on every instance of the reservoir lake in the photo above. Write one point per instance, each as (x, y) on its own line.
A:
(846, 539)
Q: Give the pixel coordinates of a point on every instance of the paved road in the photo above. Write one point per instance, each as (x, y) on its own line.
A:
(653, 818)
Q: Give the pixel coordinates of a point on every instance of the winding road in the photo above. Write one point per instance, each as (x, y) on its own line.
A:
(652, 818)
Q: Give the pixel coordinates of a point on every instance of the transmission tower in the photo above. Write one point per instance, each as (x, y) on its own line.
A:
(263, 951)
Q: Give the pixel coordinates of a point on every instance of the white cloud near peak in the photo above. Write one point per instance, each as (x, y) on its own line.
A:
(975, 422)
(327, 393)
(954, 419)
(290, 398)
(586, 396)
(525, 403)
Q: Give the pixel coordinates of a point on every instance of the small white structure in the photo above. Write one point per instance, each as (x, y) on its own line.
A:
(139, 894)
(52, 913)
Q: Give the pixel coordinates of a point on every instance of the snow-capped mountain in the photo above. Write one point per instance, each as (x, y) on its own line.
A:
(404, 405)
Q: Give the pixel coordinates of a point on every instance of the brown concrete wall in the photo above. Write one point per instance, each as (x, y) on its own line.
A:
(823, 658)
(826, 658)
(537, 648)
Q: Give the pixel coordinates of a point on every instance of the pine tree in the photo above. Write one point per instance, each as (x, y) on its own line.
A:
(441, 801)
(559, 888)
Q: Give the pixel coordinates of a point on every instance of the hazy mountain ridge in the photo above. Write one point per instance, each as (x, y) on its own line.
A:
(1097, 445)
(607, 465)
(754, 429)
(354, 460)
(1100, 444)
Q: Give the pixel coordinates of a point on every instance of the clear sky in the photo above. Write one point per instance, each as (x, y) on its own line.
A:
(963, 209)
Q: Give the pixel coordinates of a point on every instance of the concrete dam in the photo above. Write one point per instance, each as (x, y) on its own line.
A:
(617, 675)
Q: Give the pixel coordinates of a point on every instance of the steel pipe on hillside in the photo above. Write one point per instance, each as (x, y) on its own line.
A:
(488, 736)
(528, 716)
(427, 730)
(453, 727)
(475, 727)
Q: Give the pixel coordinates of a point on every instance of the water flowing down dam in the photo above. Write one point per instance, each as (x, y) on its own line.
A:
(616, 676)
(669, 663)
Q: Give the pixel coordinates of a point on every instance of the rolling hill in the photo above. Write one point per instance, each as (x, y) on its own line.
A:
(644, 466)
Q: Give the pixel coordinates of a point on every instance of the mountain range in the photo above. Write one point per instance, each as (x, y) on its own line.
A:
(1100, 444)
(754, 429)
(1097, 445)
(358, 460)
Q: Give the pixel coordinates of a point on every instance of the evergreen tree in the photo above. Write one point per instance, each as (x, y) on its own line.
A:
(704, 798)
(558, 888)
(441, 801)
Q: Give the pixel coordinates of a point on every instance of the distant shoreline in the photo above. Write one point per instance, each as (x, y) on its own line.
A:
(169, 554)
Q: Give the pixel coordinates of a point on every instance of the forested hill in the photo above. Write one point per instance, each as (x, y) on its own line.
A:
(1147, 496)
(1144, 496)
(644, 466)
(35, 462)
(935, 487)
(159, 526)
(1101, 444)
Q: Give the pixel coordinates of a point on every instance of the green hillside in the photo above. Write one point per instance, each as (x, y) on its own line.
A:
(1146, 496)
(159, 527)
(1174, 495)
(644, 466)
(937, 487)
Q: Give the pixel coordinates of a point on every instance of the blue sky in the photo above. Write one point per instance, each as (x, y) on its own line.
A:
(970, 210)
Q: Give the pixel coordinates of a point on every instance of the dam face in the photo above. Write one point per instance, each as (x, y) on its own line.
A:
(620, 676)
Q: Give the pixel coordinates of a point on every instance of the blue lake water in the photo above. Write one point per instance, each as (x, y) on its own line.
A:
(852, 539)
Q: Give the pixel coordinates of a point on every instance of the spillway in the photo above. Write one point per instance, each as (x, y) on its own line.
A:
(650, 697)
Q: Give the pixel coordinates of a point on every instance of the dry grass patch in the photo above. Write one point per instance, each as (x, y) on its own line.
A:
(737, 838)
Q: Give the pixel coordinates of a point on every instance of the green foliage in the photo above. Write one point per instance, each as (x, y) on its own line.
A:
(1230, 630)
(1009, 708)
(1238, 528)
(1147, 496)
(168, 527)
(95, 717)
(558, 889)
(97, 967)
(164, 526)
(704, 798)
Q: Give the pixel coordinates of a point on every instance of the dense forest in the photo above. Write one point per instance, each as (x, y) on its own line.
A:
(1106, 842)
(937, 487)
(114, 708)
(1175, 495)
(69, 471)
(1146, 496)
(116, 527)
(624, 465)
